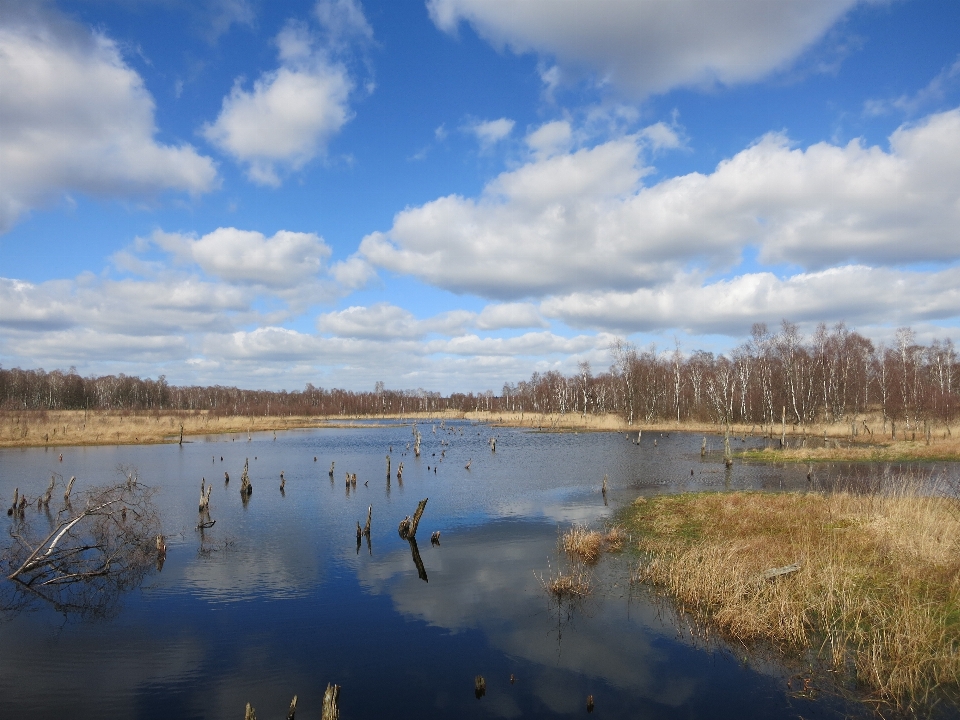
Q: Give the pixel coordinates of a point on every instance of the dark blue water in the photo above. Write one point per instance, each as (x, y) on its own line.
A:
(276, 599)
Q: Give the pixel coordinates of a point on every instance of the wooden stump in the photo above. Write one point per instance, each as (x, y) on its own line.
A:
(331, 703)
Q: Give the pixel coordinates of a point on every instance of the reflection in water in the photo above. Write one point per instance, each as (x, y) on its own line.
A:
(249, 610)
(415, 551)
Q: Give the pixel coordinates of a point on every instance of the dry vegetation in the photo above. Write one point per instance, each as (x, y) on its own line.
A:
(64, 428)
(575, 585)
(588, 545)
(877, 593)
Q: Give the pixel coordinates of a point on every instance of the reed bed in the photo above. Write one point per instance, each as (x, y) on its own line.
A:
(877, 593)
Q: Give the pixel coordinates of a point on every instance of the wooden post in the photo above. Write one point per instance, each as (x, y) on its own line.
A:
(366, 529)
(331, 703)
(388, 466)
(292, 712)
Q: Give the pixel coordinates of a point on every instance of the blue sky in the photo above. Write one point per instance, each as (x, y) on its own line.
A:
(452, 194)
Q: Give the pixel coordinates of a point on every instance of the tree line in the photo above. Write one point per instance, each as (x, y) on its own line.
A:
(834, 375)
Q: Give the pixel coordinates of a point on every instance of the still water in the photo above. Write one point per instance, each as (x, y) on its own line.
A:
(277, 600)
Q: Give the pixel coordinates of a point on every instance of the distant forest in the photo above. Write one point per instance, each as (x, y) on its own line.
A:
(835, 375)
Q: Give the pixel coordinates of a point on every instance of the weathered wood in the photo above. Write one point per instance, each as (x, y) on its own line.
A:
(388, 466)
(780, 571)
(292, 712)
(479, 687)
(366, 529)
(331, 703)
(250, 713)
(412, 532)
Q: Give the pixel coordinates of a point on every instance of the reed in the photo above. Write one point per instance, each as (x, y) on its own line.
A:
(877, 593)
(589, 545)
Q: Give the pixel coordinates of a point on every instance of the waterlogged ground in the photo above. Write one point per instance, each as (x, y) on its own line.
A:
(276, 599)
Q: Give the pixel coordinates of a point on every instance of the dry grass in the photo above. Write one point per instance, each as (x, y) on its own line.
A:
(575, 585)
(588, 545)
(878, 591)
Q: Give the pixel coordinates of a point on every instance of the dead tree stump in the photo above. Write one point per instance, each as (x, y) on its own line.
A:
(331, 703)
(408, 527)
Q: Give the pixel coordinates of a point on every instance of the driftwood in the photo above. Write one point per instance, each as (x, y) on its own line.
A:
(408, 527)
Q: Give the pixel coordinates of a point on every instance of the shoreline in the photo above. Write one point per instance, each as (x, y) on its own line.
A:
(864, 583)
(828, 442)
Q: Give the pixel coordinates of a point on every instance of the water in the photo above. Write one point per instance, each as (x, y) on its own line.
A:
(277, 599)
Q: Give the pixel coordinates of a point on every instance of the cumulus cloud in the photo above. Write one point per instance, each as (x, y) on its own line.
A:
(857, 294)
(285, 260)
(132, 307)
(76, 118)
(382, 321)
(289, 115)
(581, 222)
(651, 46)
(490, 132)
(550, 139)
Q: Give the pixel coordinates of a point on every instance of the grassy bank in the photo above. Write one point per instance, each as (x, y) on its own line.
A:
(38, 428)
(877, 595)
(77, 427)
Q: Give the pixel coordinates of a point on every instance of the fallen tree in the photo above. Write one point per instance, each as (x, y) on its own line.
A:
(102, 543)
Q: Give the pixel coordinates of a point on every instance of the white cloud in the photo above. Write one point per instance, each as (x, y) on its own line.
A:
(510, 315)
(661, 136)
(285, 260)
(910, 105)
(76, 118)
(342, 20)
(651, 46)
(579, 222)
(550, 139)
(490, 132)
(289, 115)
(133, 307)
(857, 294)
(384, 321)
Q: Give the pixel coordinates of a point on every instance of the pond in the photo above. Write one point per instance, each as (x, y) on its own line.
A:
(276, 599)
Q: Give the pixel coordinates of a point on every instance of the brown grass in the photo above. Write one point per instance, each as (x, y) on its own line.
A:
(588, 545)
(878, 590)
(64, 428)
(576, 584)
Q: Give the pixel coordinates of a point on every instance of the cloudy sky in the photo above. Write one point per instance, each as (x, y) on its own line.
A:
(451, 194)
